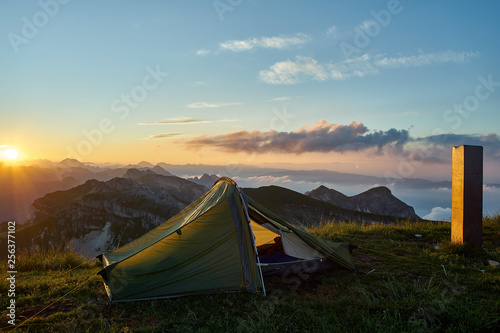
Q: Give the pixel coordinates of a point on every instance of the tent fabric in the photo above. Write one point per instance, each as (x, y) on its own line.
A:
(190, 213)
(209, 247)
(262, 234)
(296, 247)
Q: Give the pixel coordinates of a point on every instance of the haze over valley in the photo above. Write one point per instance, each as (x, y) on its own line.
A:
(24, 184)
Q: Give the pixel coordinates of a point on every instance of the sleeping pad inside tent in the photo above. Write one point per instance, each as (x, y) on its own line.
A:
(222, 242)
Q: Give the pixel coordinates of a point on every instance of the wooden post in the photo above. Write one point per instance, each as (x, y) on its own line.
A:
(467, 195)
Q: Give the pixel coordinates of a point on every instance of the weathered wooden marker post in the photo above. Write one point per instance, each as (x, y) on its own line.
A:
(467, 195)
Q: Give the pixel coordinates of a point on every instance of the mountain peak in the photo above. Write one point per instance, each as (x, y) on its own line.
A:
(161, 171)
(205, 180)
(326, 194)
(71, 163)
(380, 190)
(377, 200)
(145, 164)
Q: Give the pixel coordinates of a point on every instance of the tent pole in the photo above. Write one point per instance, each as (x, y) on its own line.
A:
(253, 240)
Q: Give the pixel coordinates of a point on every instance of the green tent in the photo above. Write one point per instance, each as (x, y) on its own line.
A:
(222, 242)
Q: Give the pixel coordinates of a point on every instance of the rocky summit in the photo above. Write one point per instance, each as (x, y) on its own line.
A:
(378, 200)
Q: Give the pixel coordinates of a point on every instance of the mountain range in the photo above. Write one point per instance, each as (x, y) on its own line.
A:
(21, 185)
(98, 215)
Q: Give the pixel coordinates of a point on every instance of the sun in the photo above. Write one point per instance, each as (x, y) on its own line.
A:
(10, 154)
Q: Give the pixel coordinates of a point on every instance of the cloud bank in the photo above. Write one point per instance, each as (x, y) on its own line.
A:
(325, 137)
(490, 142)
(321, 136)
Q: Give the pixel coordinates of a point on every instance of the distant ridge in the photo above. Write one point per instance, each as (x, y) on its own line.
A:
(378, 200)
(21, 185)
(306, 211)
(102, 215)
(205, 180)
(159, 170)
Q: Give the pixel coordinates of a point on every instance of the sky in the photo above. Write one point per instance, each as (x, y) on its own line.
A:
(370, 87)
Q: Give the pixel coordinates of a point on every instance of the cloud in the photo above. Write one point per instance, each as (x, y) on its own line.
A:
(177, 121)
(279, 42)
(332, 31)
(321, 136)
(186, 121)
(491, 188)
(365, 25)
(410, 113)
(268, 179)
(292, 72)
(439, 214)
(325, 137)
(280, 99)
(436, 149)
(202, 52)
(200, 105)
(490, 142)
(163, 136)
(307, 68)
(425, 59)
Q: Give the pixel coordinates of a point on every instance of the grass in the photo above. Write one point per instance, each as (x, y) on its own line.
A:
(400, 285)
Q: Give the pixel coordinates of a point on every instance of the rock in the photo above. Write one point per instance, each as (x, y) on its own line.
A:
(378, 200)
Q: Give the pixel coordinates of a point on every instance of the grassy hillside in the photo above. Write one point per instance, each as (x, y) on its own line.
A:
(400, 285)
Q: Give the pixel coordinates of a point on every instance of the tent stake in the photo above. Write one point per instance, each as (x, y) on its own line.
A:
(444, 269)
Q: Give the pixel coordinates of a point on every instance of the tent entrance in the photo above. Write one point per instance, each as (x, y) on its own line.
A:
(273, 253)
(284, 253)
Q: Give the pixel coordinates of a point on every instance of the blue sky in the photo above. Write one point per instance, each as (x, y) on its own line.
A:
(354, 86)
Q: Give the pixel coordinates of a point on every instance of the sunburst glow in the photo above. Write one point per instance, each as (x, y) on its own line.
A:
(10, 154)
